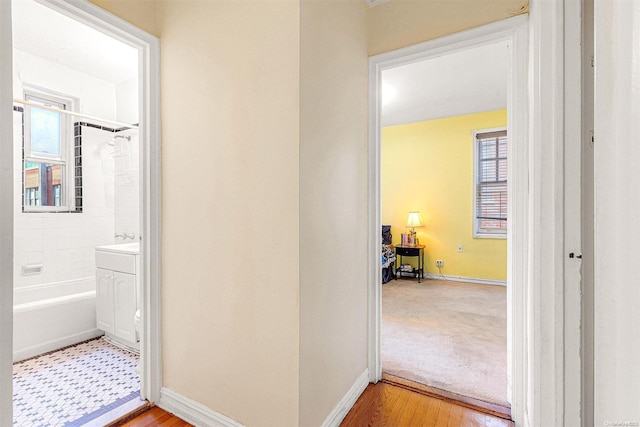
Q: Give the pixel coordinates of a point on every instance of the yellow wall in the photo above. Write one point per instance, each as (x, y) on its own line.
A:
(428, 166)
(400, 23)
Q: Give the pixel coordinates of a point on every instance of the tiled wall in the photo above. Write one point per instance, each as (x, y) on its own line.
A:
(64, 242)
(126, 192)
(127, 198)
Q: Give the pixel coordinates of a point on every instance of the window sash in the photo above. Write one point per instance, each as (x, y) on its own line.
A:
(64, 126)
(490, 207)
(64, 195)
(58, 196)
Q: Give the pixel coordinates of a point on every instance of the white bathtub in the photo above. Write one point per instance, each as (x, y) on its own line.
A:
(52, 316)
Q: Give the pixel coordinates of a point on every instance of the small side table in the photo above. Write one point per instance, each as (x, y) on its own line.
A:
(414, 251)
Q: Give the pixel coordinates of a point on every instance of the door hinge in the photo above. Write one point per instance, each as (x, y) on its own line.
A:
(592, 138)
(593, 61)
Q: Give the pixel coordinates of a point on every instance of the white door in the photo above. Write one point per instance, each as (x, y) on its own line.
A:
(124, 286)
(104, 300)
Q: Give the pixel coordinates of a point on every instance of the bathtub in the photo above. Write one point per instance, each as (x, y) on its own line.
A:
(52, 316)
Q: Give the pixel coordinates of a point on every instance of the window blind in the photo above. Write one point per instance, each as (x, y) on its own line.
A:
(491, 182)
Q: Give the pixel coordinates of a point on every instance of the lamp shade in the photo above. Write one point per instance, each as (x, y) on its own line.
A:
(414, 220)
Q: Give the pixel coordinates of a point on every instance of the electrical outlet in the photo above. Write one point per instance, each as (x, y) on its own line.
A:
(439, 263)
(460, 247)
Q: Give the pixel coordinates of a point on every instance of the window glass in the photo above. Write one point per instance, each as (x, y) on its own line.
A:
(45, 132)
(43, 184)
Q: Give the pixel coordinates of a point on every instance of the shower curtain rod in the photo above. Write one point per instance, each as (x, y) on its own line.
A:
(71, 113)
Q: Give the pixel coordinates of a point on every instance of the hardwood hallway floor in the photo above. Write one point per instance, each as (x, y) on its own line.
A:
(380, 405)
(384, 404)
(155, 417)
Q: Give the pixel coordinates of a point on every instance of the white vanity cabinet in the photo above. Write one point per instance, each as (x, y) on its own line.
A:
(117, 292)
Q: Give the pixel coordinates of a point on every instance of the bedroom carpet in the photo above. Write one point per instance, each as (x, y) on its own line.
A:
(449, 335)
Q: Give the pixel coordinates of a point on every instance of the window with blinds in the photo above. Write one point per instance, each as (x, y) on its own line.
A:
(491, 184)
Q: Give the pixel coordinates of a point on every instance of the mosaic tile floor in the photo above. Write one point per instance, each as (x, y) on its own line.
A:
(73, 386)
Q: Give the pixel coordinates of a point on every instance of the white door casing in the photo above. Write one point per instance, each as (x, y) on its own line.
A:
(6, 216)
(573, 142)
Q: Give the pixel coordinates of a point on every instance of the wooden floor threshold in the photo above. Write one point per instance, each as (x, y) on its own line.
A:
(155, 417)
(131, 415)
(466, 401)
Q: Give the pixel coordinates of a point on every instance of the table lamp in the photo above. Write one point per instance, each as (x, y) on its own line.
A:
(414, 220)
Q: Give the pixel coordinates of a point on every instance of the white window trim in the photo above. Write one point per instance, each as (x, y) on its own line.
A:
(476, 233)
(66, 158)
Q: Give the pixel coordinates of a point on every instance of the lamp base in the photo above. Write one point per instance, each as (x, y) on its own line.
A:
(413, 240)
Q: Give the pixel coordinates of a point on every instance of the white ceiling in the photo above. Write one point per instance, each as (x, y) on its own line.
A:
(466, 82)
(48, 34)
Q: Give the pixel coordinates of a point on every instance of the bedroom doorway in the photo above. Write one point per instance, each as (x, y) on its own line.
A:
(512, 35)
(447, 334)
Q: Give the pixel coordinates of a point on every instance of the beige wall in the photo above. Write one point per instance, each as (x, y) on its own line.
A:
(141, 13)
(333, 203)
(401, 23)
(266, 102)
(230, 79)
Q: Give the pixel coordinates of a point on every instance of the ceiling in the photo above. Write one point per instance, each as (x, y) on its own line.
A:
(471, 81)
(48, 34)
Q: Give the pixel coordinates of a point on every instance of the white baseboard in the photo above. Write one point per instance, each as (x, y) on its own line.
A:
(467, 279)
(200, 415)
(348, 400)
(48, 346)
(192, 411)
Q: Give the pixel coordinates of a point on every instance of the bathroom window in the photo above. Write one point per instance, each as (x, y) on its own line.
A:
(47, 144)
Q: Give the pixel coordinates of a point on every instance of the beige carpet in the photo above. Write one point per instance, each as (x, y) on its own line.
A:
(449, 335)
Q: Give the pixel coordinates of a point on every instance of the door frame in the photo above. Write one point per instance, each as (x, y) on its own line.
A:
(150, 189)
(6, 216)
(515, 31)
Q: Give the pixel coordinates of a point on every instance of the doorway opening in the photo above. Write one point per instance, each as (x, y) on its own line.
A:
(455, 255)
(444, 171)
(85, 216)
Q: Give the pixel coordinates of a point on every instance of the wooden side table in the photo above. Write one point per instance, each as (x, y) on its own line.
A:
(411, 251)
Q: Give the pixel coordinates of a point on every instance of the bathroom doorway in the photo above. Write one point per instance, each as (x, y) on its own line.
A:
(84, 230)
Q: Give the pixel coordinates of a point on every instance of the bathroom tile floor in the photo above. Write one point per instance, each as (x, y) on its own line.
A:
(75, 386)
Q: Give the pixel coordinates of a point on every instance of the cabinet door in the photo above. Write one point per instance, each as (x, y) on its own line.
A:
(104, 300)
(125, 306)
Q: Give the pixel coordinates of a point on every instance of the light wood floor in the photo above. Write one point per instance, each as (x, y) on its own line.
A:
(156, 417)
(380, 405)
(388, 405)
(466, 401)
